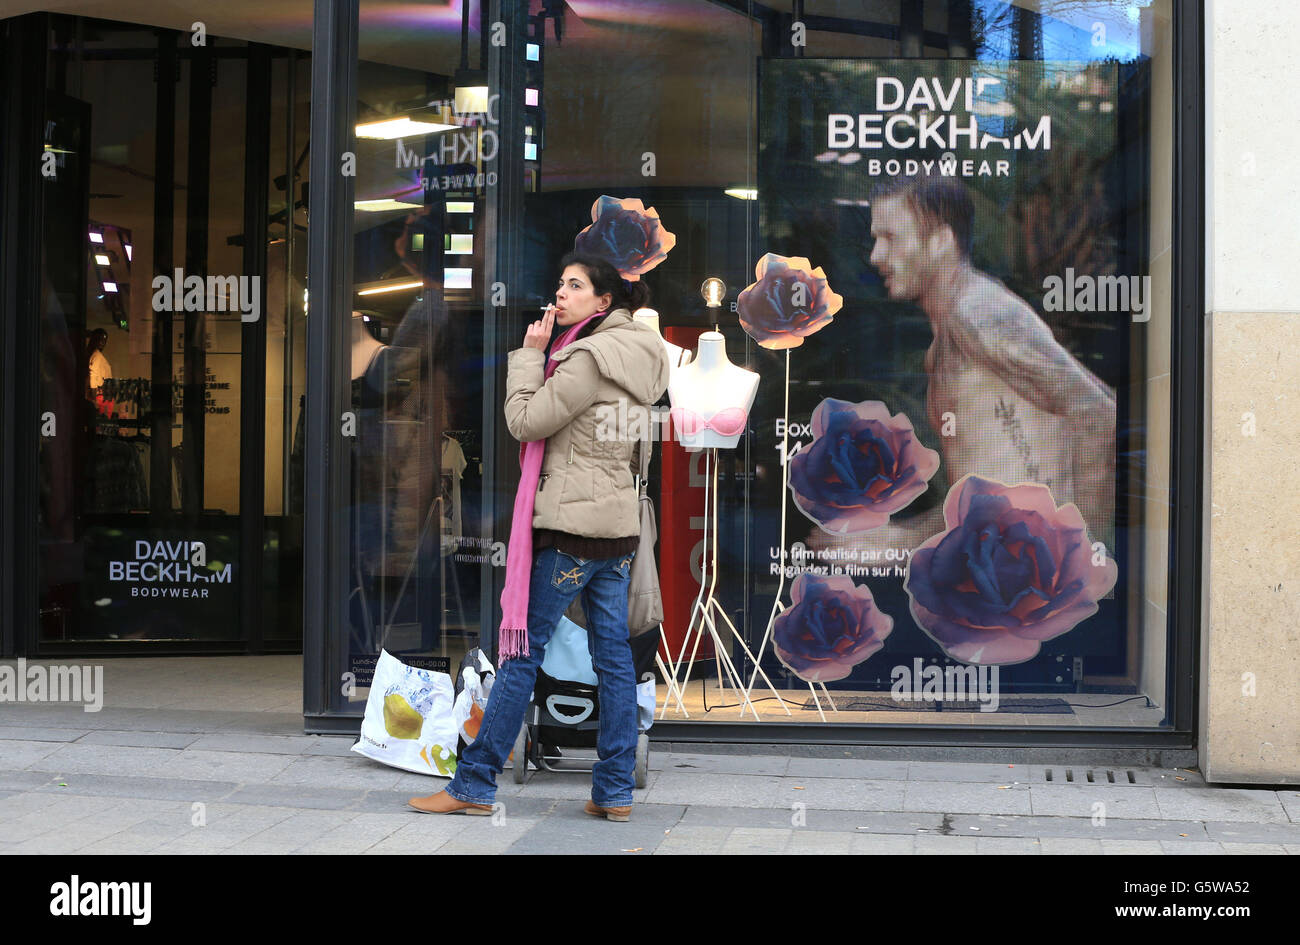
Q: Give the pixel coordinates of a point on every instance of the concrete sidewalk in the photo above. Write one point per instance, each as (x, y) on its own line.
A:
(168, 780)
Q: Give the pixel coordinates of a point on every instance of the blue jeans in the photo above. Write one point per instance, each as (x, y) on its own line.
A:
(557, 578)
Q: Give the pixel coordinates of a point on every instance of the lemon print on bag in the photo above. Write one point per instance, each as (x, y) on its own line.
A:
(440, 758)
(400, 720)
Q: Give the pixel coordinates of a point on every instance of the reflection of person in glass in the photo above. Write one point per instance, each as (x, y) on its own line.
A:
(100, 371)
(1009, 402)
(576, 527)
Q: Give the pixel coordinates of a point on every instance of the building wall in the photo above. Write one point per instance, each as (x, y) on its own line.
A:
(1250, 648)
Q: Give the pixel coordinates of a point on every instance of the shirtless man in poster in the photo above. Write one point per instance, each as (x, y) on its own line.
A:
(1008, 401)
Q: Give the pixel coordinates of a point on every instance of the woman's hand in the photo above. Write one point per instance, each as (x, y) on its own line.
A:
(538, 334)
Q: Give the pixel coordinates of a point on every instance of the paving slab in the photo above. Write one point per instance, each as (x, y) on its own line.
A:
(945, 771)
(18, 830)
(719, 790)
(20, 754)
(1191, 848)
(261, 744)
(693, 839)
(1040, 827)
(428, 831)
(1131, 847)
(19, 805)
(196, 843)
(847, 768)
(483, 837)
(161, 829)
(76, 758)
(820, 843)
(111, 785)
(238, 819)
(224, 765)
(844, 794)
(321, 771)
(1241, 832)
(896, 822)
(355, 836)
(73, 717)
(1070, 846)
(24, 780)
(330, 745)
(1290, 801)
(138, 739)
(975, 797)
(248, 848)
(758, 840)
(569, 787)
(574, 832)
(1254, 849)
(939, 845)
(122, 845)
(37, 733)
(762, 765)
(302, 826)
(1222, 804)
(1007, 846)
(287, 795)
(1094, 800)
(881, 845)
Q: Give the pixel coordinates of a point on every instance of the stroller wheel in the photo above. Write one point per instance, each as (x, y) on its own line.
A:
(642, 769)
(521, 754)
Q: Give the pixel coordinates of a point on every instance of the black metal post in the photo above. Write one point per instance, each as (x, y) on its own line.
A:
(25, 44)
(1187, 381)
(252, 361)
(199, 180)
(329, 279)
(164, 215)
(503, 222)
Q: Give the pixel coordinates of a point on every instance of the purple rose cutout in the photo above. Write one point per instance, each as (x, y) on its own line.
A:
(1010, 571)
(790, 301)
(627, 234)
(830, 627)
(862, 466)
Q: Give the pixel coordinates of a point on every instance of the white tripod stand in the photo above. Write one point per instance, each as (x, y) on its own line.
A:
(707, 605)
(777, 606)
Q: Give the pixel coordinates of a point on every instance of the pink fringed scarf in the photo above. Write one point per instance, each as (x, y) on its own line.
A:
(513, 638)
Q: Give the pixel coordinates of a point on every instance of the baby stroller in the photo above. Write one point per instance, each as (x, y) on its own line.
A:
(565, 712)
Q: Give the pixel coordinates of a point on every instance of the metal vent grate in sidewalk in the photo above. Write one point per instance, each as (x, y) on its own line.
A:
(1090, 776)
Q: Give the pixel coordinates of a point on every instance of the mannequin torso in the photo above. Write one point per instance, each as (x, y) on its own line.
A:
(677, 356)
(711, 397)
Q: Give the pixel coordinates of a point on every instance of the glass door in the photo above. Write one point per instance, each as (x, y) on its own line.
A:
(170, 340)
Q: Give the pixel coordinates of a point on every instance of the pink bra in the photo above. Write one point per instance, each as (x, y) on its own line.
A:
(728, 422)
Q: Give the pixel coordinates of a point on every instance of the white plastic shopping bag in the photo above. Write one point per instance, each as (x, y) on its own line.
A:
(473, 689)
(645, 702)
(409, 722)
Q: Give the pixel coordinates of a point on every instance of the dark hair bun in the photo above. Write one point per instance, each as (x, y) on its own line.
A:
(606, 279)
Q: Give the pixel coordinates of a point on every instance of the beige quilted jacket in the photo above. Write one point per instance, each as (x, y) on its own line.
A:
(586, 487)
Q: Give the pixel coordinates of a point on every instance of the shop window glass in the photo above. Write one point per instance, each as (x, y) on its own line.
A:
(943, 234)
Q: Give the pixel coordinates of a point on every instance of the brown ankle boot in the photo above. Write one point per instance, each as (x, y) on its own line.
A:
(610, 813)
(444, 803)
